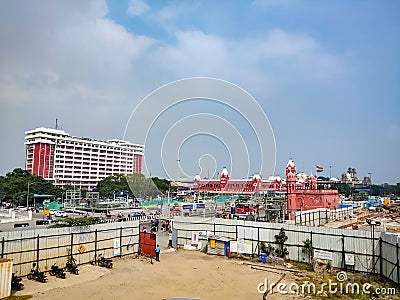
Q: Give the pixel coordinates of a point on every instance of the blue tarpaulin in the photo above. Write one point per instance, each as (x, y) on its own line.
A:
(42, 196)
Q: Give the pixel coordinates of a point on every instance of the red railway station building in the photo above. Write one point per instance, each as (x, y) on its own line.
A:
(302, 192)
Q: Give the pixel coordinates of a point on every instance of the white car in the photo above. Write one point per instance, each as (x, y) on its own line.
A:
(60, 213)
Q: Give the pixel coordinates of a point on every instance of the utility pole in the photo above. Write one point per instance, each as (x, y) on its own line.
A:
(330, 175)
(27, 197)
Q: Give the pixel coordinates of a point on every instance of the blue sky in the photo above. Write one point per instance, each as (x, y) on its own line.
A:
(326, 74)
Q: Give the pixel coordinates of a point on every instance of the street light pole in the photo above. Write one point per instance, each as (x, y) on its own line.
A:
(373, 223)
(27, 197)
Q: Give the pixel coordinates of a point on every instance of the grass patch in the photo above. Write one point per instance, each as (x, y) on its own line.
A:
(327, 286)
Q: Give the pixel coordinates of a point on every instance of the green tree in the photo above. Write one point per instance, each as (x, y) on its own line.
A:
(14, 187)
(114, 183)
(161, 184)
(307, 248)
(343, 188)
(142, 187)
(280, 239)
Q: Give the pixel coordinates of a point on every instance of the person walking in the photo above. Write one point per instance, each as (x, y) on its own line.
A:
(158, 250)
(169, 239)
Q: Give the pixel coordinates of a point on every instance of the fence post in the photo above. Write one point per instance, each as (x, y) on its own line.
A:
(120, 242)
(258, 240)
(397, 264)
(72, 243)
(214, 227)
(2, 247)
(313, 218)
(236, 232)
(380, 256)
(37, 252)
(95, 245)
(343, 251)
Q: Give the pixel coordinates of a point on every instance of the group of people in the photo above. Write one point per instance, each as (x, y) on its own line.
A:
(165, 226)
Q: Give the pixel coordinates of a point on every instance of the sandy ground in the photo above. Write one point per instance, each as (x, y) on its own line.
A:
(179, 274)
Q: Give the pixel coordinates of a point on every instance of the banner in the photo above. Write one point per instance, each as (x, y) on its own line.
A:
(195, 238)
(233, 246)
(117, 247)
(323, 254)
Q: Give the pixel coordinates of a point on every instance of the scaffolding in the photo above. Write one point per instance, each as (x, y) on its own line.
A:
(72, 198)
(92, 199)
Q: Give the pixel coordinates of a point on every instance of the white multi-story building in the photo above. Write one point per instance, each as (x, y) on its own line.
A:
(68, 160)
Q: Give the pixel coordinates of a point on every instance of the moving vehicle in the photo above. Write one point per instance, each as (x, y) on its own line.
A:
(61, 213)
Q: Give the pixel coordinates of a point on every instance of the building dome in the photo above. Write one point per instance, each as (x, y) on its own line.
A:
(291, 163)
(256, 177)
(224, 171)
(311, 178)
(301, 177)
(274, 178)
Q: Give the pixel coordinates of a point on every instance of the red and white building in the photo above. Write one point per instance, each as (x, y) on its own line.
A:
(305, 194)
(68, 160)
(226, 185)
(302, 191)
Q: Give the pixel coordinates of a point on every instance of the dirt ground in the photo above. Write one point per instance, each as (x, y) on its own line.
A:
(179, 274)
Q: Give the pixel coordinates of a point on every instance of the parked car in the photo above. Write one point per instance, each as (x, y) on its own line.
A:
(60, 213)
(42, 222)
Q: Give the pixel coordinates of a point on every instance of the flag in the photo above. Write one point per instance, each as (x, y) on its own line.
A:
(319, 168)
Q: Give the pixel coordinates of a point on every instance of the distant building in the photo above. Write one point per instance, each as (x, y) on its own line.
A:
(68, 160)
(350, 176)
(305, 195)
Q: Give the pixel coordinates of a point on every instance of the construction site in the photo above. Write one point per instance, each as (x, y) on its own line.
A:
(381, 218)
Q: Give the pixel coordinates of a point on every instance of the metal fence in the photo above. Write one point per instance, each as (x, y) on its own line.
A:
(321, 216)
(374, 252)
(48, 246)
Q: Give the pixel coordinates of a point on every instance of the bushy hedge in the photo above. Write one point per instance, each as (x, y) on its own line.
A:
(69, 222)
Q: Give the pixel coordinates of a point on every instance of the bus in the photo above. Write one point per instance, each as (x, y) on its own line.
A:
(246, 208)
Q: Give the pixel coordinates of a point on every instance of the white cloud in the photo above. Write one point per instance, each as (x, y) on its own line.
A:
(69, 61)
(279, 43)
(137, 7)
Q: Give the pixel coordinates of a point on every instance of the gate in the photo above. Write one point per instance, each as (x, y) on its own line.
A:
(147, 244)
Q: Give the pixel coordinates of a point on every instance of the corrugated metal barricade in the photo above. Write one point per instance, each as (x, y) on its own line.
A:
(48, 246)
(370, 251)
(5, 277)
